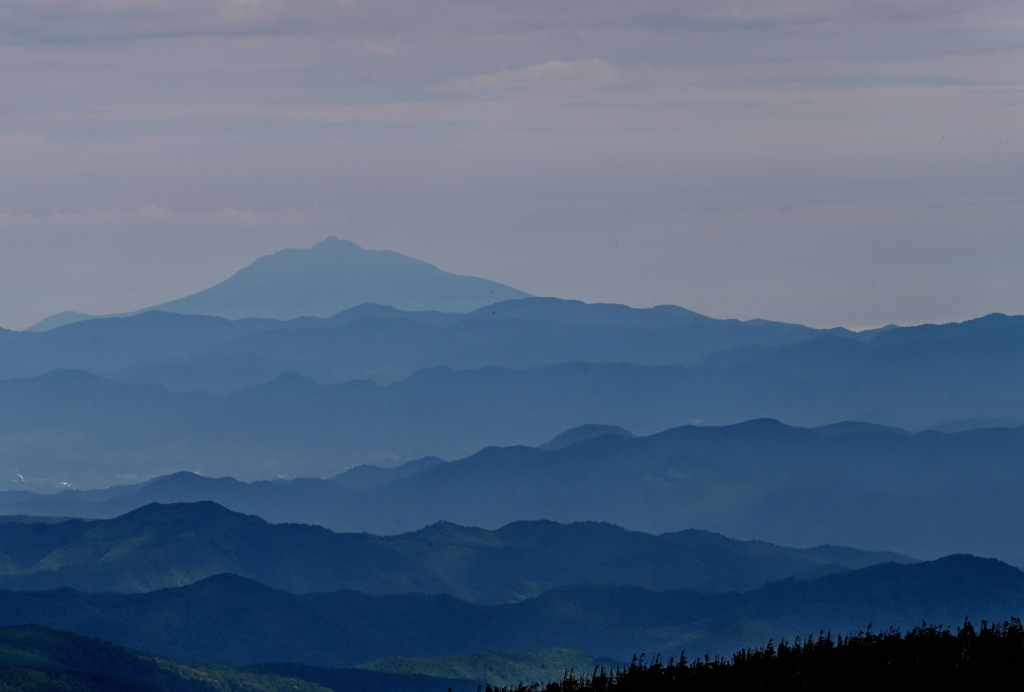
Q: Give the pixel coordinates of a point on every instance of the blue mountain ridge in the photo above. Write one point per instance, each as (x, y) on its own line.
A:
(232, 619)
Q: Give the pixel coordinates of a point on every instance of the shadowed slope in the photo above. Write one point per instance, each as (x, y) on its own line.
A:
(231, 619)
(159, 546)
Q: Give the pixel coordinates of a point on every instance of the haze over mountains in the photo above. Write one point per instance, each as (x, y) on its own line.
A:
(924, 495)
(329, 277)
(257, 399)
(507, 472)
(121, 400)
(380, 343)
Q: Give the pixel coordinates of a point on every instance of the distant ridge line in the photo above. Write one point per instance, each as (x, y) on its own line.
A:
(323, 280)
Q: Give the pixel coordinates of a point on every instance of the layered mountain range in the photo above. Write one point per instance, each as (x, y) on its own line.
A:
(410, 466)
(123, 399)
(231, 619)
(927, 494)
(162, 546)
(349, 599)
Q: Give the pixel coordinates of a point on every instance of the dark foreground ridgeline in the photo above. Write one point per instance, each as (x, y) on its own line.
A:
(926, 657)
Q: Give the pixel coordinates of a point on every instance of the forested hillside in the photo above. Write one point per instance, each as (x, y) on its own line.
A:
(925, 657)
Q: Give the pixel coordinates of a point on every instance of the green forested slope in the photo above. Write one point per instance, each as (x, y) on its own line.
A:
(160, 546)
(231, 619)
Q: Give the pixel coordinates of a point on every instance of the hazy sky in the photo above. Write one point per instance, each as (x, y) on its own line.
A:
(851, 163)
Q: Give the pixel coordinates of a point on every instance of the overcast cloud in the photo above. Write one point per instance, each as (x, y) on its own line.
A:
(851, 163)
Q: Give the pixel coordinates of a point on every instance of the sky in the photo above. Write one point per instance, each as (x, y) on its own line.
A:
(827, 162)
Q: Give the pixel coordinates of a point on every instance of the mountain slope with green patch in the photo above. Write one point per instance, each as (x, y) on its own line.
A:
(160, 546)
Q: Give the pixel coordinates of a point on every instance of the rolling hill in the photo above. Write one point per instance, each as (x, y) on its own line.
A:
(162, 546)
(234, 620)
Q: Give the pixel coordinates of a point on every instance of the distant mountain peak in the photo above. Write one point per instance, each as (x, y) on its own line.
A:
(335, 275)
(320, 281)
